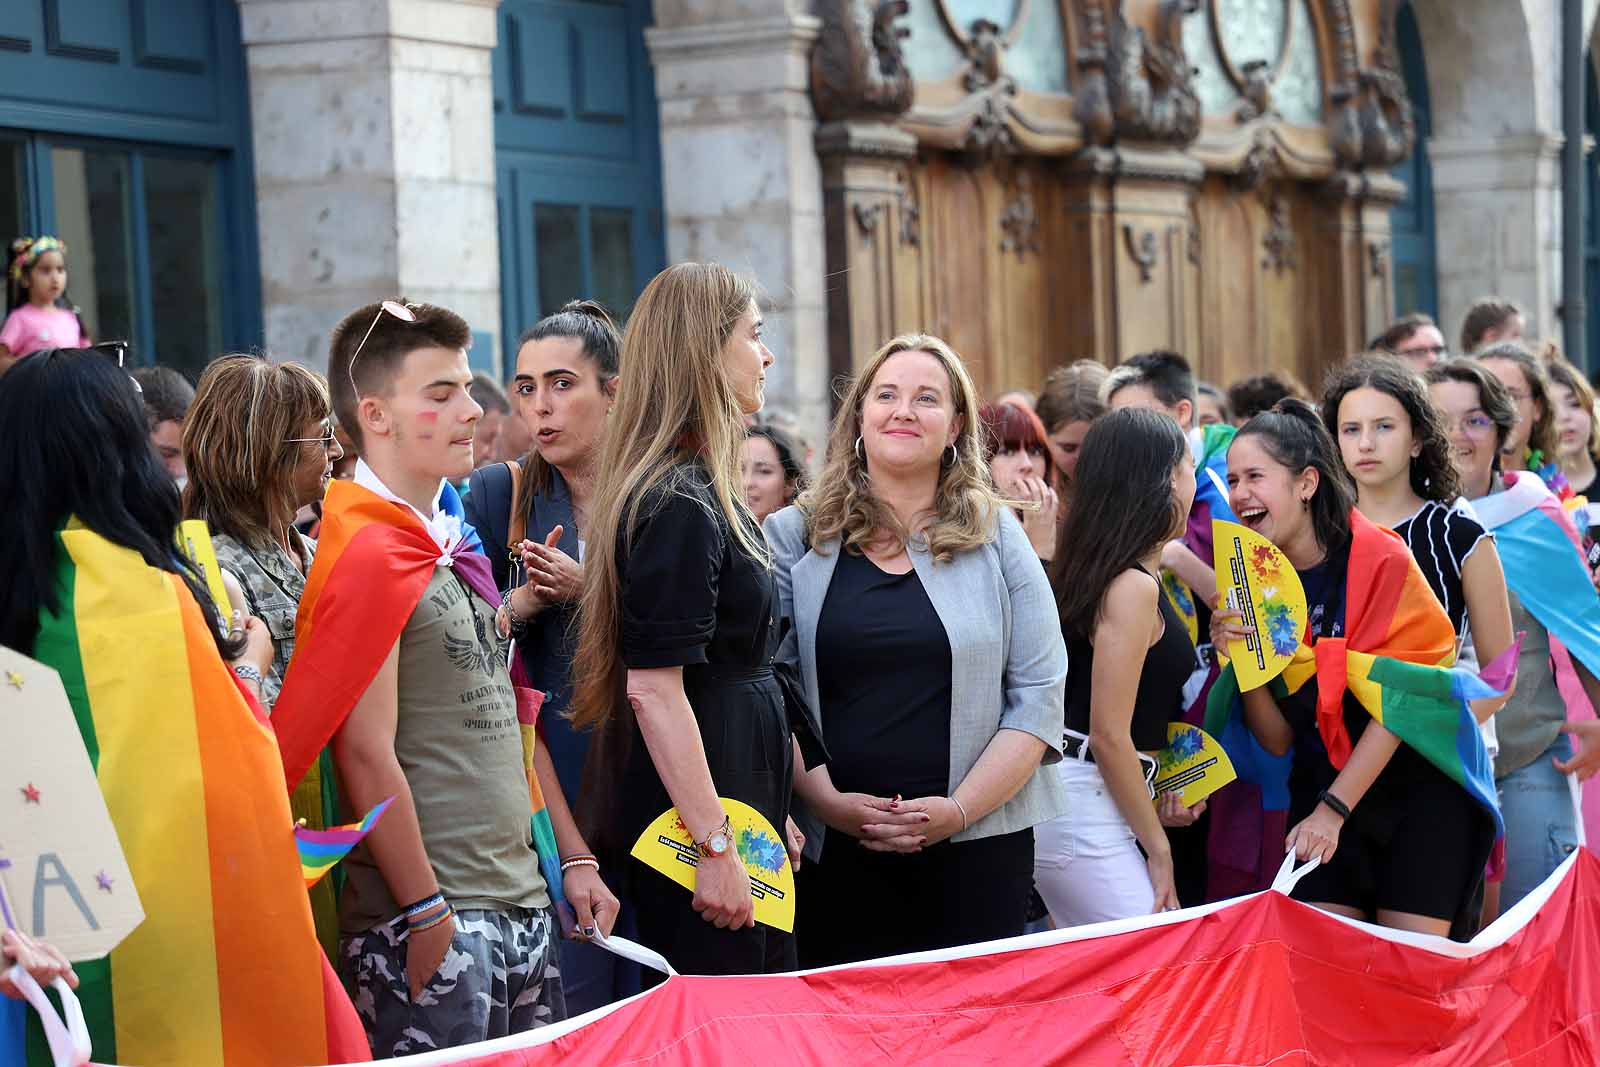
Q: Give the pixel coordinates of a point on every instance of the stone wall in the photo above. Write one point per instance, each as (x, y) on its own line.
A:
(1494, 78)
(374, 149)
(740, 179)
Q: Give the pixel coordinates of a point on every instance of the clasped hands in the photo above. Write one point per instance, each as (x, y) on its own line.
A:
(890, 824)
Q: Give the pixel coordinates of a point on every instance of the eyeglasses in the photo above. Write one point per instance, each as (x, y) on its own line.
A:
(1474, 425)
(326, 438)
(1518, 395)
(400, 311)
(1436, 351)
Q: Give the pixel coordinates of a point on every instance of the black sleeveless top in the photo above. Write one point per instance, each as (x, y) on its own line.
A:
(1159, 700)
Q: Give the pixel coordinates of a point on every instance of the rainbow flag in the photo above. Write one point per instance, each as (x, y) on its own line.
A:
(225, 968)
(374, 559)
(1209, 446)
(1395, 658)
(321, 849)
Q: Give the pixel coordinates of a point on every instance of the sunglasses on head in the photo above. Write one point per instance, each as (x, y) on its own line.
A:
(117, 352)
(403, 312)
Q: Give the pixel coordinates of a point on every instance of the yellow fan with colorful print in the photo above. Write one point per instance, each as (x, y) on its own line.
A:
(1256, 580)
(667, 847)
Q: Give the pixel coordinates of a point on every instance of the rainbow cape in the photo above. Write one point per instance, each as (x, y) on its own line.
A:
(1395, 658)
(225, 969)
(374, 559)
(321, 849)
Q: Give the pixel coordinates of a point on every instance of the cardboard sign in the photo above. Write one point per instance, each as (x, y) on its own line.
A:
(1193, 764)
(1256, 580)
(666, 846)
(63, 877)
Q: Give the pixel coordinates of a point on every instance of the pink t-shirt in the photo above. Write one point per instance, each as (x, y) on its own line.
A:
(31, 328)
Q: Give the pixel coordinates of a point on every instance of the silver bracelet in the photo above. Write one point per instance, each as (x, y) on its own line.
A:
(962, 808)
(249, 673)
(519, 625)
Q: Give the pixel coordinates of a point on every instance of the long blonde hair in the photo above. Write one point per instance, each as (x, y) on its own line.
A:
(842, 506)
(236, 445)
(674, 401)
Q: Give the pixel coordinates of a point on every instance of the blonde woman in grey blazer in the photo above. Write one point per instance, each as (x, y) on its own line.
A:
(927, 642)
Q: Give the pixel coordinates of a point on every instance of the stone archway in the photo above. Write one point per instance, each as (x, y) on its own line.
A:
(1494, 79)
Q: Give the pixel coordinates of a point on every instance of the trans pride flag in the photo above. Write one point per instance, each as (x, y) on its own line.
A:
(225, 968)
(1540, 551)
(374, 559)
(1395, 658)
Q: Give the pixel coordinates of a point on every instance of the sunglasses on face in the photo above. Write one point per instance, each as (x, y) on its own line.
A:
(117, 352)
(325, 438)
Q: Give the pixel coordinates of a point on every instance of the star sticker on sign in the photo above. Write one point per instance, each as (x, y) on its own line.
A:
(30, 794)
(104, 880)
(14, 679)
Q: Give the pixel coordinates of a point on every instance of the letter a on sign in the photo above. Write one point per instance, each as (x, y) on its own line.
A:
(62, 871)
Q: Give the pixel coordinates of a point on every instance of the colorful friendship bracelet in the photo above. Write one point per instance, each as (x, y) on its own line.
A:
(425, 904)
(427, 924)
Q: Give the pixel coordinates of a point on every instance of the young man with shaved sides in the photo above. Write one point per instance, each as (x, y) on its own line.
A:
(445, 921)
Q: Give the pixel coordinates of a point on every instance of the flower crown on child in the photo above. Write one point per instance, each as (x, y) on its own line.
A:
(27, 250)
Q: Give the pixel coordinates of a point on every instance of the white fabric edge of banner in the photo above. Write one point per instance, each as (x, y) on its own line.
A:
(1523, 496)
(1492, 936)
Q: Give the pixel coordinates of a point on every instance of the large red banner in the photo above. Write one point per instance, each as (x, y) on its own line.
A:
(1259, 980)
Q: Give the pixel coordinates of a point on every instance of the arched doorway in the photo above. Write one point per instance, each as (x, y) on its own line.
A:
(1416, 275)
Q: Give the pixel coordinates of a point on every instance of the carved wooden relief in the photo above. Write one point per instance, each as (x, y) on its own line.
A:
(1208, 175)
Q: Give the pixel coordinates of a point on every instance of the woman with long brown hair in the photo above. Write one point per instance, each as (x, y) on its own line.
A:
(258, 444)
(678, 621)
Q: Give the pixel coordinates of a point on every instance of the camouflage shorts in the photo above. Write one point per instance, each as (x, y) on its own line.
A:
(498, 977)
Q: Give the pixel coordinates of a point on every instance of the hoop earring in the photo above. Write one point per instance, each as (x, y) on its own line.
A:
(950, 457)
(860, 452)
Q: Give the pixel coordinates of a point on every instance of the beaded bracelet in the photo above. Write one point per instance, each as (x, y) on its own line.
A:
(579, 861)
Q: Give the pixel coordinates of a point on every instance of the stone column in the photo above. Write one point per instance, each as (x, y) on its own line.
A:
(373, 123)
(740, 180)
(1497, 210)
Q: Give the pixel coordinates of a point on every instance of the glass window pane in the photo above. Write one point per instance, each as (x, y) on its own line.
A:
(611, 252)
(91, 191)
(556, 244)
(185, 262)
(13, 192)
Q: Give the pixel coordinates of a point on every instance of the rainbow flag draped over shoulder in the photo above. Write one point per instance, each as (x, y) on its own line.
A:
(374, 560)
(225, 969)
(1395, 657)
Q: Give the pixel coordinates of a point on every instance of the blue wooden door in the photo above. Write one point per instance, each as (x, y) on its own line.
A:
(124, 129)
(1416, 275)
(578, 152)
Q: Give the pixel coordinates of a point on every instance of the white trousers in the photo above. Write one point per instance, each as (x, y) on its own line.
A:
(1086, 864)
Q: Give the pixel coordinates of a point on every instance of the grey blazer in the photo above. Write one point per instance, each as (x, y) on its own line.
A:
(1008, 662)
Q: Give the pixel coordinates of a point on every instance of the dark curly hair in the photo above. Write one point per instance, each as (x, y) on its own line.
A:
(1433, 474)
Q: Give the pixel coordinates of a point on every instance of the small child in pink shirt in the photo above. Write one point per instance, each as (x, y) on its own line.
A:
(37, 281)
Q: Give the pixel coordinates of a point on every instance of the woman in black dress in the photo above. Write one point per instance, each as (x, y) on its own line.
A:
(678, 626)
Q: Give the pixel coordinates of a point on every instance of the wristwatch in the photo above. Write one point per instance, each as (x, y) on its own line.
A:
(717, 843)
